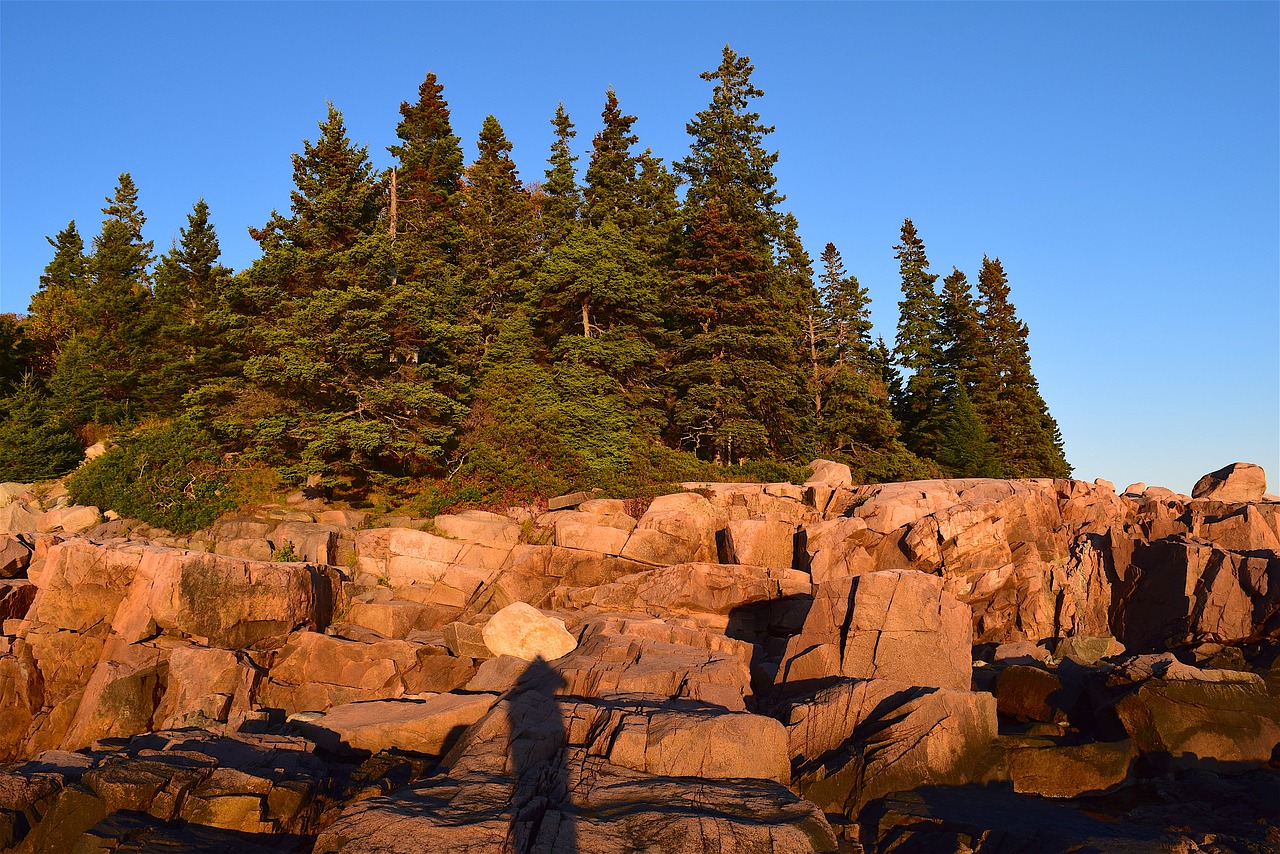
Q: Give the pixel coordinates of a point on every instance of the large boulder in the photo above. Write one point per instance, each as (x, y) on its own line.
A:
(525, 632)
(898, 625)
(858, 740)
(1237, 482)
(428, 726)
(1192, 723)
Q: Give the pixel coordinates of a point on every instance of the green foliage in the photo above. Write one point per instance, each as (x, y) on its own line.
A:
(964, 448)
(171, 476)
(33, 445)
(285, 554)
(561, 198)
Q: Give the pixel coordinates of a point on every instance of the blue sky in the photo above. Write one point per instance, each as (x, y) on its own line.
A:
(1122, 159)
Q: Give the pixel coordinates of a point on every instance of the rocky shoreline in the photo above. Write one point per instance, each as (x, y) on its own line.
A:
(953, 665)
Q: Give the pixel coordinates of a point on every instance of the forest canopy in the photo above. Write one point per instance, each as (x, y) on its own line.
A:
(458, 325)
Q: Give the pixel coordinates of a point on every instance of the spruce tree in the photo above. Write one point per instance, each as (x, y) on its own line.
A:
(498, 231)
(611, 174)
(919, 348)
(114, 321)
(965, 449)
(963, 354)
(192, 318)
(1026, 436)
(738, 380)
(856, 418)
(562, 199)
(429, 177)
(54, 313)
(33, 444)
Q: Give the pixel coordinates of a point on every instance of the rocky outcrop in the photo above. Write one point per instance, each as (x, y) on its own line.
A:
(947, 664)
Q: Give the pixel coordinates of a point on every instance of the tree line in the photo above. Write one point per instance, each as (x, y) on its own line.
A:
(447, 320)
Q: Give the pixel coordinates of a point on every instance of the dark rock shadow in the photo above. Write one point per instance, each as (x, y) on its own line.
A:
(543, 817)
(767, 626)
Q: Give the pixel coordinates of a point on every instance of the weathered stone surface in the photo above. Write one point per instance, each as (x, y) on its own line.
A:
(72, 520)
(1188, 724)
(206, 687)
(831, 473)
(1180, 591)
(314, 672)
(606, 664)
(897, 625)
(1031, 694)
(525, 632)
(428, 726)
(858, 740)
(1069, 770)
(17, 518)
(539, 773)
(677, 528)
(15, 555)
(16, 596)
(593, 532)
(1086, 650)
(477, 526)
(1236, 482)
(760, 542)
(690, 588)
(396, 618)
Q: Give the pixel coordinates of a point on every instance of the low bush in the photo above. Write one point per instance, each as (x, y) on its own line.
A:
(172, 476)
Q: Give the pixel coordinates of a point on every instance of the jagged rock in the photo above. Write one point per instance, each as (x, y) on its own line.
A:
(897, 625)
(477, 526)
(539, 773)
(1086, 650)
(525, 632)
(1195, 723)
(596, 532)
(690, 588)
(831, 473)
(72, 520)
(1236, 482)
(677, 528)
(426, 725)
(1179, 591)
(16, 596)
(17, 518)
(397, 619)
(858, 740)
(1031, 694)
(15, 555)
(206, 687)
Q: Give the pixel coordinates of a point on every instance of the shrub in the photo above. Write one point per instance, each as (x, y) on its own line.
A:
(171, 476)
(32, 446)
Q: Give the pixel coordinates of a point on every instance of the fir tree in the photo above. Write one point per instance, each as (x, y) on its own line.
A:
(856, 418)
(919, 347)
(33, 445)
(562, 197)
(965, 450)
(738, 379)
(611, 175)
(14, 353)
(963, 354)
(1026, 436)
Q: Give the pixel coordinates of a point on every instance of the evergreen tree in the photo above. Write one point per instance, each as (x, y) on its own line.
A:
(657, 211)
(963, 354)
(965, 450)
(192, 317)
(611, 175)
(14, 353)
(562, 198)
(738, 379)
(919, 348)
(856, 418)
(33, 445)
(498, 230)
(1026, 436)
(114, 321)
(429, 178)
(323, 389)
(53, 316)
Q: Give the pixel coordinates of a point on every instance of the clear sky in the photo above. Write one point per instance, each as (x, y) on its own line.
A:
(1122, 159)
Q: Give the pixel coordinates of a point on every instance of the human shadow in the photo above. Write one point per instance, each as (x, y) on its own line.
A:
(543, 817)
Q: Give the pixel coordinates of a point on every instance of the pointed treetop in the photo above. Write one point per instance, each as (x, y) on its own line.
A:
(430, 154)
(612, 172)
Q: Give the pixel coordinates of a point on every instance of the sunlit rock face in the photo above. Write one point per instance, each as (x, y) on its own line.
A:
(736, 667)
